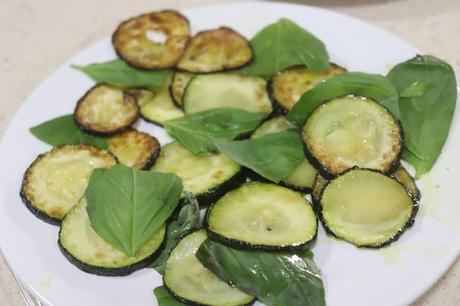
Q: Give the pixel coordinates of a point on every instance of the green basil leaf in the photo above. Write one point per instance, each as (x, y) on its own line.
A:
(274, 278)
(426, 117)
(164, 298)
(63, 131)
(274, 156)
(126, 206)
(118, 73)
(186, 221)
(416, 89)
(372, 86)
(195, 131)
(284, 44)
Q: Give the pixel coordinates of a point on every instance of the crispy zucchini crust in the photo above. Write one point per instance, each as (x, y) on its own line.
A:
(106, 110)
(367, 208)
(216, 50)
(134, 149)
(352, 131)
(262, 216)
(132, 44)
(85, 249)
(192, 283)
(287, 86)
(56, 180)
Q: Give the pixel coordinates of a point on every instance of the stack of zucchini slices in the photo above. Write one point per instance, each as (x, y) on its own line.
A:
(362, 193)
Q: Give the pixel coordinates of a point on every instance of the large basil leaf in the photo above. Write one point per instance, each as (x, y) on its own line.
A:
(275, 278)
(372, 86)
(284, 44)
(63, 131)
(195, 131)
(274, 156)
(164, 298)
(126, 206)
(187, 220)
(428, 95)
(118, 73)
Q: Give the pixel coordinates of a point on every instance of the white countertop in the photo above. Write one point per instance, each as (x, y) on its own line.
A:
(38, 36)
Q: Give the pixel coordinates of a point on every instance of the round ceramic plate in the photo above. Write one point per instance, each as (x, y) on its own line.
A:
(394, 275)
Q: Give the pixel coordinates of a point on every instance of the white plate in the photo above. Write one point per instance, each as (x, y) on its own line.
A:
(393, 276)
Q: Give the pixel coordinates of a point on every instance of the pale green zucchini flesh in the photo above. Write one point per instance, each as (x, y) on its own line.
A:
(366, 208)
(84, 248)
(352, 131)
(190, 282)
(207, 176)
(57, 180)
(227, 90)
(262, 216)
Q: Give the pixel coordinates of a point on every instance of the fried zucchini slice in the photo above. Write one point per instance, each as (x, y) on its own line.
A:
(352, 131)
(262, 216)
(134, 149)
(192, 283)
(287, 86)
(216, 50)
(179, 82)
(207, 176)
(227, 90)
(156, 105)
(132, 44)
(105, 110)
(85, 249)
(366, 208)
(56, 180)
(303, 177)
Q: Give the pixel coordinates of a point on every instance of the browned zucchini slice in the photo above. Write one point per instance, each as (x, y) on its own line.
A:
(133, 45)
(290, 84)
(179, 83)
(134, 149)
(105, 110)
(352, 131)
(216, 50)
(57, 180)
(156, 105)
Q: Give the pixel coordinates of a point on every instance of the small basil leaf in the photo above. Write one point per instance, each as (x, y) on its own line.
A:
(274, 156)
(274, 278)
(126, 206)
(186, 221)
(118, 73)
(164, 298)
(63, 131)
(372, 86)
(426, 117)
(195, 131)
(284, 44)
